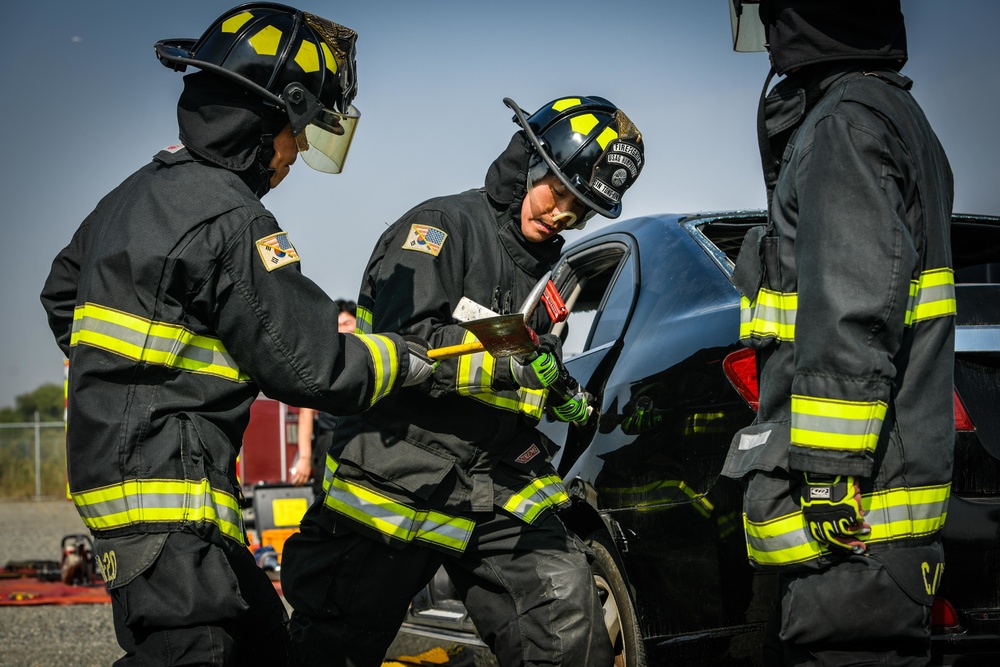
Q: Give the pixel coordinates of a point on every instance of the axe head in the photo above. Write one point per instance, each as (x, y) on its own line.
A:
(503, 335)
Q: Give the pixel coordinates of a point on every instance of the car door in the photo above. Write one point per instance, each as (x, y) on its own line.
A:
(598, 281)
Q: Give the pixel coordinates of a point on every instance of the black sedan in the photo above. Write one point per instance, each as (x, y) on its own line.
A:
(653, 334)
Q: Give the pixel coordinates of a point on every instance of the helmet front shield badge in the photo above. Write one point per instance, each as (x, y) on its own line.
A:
(748, 29)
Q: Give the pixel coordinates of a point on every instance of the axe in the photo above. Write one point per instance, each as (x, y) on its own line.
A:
(500, 335)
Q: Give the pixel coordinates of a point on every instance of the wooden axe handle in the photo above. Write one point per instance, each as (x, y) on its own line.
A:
(455, 350)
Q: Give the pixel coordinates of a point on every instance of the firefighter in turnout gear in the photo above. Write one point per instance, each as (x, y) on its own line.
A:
(452, 472)
(849, 300)
(177, 301)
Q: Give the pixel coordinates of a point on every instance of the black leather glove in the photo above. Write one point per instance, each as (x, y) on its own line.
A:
(421, 366)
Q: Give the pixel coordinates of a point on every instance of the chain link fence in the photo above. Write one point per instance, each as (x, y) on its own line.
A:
(33, 459)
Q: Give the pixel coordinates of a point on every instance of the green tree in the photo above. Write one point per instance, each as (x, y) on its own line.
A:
(47, 400)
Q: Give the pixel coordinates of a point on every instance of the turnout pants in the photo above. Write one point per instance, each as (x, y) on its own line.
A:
(199, 604)
(528, 588)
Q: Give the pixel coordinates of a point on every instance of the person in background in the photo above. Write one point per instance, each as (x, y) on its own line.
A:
(849, 300)
(177, 301)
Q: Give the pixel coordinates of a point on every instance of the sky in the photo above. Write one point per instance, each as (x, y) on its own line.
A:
(85, 103)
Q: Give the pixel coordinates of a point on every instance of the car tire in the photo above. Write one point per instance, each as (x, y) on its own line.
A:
(619, 611)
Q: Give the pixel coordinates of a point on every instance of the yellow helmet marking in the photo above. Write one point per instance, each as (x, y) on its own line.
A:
(307, 57)
(234, 23)
(566, 103)
(606, 137)
(331, 62)
(583, 123)
(266, 41)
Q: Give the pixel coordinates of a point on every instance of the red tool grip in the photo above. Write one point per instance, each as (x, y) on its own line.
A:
(554, 304)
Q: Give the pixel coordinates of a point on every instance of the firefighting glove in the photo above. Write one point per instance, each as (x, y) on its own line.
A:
(832, 513)
(540, 369)
(534, 371)
(421, 366)
(573, 409)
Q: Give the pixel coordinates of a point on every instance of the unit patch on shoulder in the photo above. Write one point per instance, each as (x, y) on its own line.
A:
(423, 238)
(276, 251)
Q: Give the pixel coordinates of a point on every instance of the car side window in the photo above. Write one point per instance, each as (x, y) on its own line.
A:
(614, 313)
(598, 299)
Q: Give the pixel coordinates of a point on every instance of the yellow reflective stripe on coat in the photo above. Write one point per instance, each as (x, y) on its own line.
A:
(825, 423)
(363, 320)
(931, 295)
(141, 501)
(893, 514)
(152, 342)
(384, 362)
(769, 314)
(474, 378)
(541, 494)
(391, 517)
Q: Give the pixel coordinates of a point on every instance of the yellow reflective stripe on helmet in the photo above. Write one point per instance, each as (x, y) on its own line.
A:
(931, 295)
(307, 57)
(364, 320)
(541, 494)
(141, 501)
(892, 514)
(826, 423)
(234, 23)
(384, 362)
(566, 103)
(266, 41)
(475, 380)
(770, 314)
(393, 518)
(150, 342)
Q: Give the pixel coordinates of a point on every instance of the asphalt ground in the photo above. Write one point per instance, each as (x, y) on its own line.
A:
(49, 635)
(82, 635)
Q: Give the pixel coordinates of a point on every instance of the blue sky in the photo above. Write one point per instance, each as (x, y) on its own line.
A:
(85, 103)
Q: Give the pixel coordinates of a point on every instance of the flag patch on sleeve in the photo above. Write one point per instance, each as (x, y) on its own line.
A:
(423, 238)
(276, 251)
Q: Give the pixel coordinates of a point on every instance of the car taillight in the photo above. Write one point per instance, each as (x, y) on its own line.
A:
(962, 420)
(741, 369)
(944, 618)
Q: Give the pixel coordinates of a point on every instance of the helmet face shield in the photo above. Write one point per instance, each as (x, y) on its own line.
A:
(748, 29)
(329, 136)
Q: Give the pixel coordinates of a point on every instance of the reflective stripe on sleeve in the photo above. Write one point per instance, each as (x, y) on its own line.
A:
(893, 514)
(770, 314)
(141, 501)
(384, 363)
(826, 423)
(151, 342)
(391, 517)
(541, 494)
(931, 296)
(363, 320)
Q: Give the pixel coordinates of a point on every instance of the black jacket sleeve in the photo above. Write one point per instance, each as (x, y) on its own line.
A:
(59, 292)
